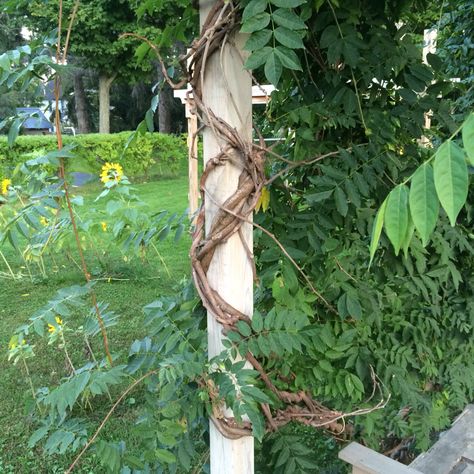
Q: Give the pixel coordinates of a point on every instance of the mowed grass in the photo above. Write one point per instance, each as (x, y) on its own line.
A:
(126, 283)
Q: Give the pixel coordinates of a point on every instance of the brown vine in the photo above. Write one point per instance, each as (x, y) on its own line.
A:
(221, 23)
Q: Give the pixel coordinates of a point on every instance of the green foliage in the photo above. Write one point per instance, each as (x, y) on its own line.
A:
(285, 32)
(456, 50)
(151, 154)
(363, 92)
(445, 183)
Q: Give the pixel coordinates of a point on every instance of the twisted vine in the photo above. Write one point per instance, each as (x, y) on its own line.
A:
(218, 29)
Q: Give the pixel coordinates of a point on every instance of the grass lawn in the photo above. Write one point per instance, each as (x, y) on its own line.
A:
(128, 285)
(132, 285)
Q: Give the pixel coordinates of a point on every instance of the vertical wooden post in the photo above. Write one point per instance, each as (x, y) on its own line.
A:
(227, 91)
(193, 190)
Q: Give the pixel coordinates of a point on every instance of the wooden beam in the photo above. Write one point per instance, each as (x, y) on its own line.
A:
(367, 461)
(193, 184)
(227, 91)
(260, 94)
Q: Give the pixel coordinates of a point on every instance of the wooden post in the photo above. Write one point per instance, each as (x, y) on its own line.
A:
(260, 95)
(227, 91)
(193, 190)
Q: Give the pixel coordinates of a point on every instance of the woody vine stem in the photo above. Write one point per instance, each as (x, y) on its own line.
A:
(217, 32)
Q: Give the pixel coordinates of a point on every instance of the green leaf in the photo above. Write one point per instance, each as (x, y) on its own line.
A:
(258, 58)
(244, 328)
(256, 23)
(273, 68)
(256, 394)
(288, 19)
(258, 40)
(288, 38)
(396, 216)
(112, 207)
(14, 131)
(165, 456)
(357, 383)
(326, 366)
(341, 201)
(4, 62)
(342, 305)
(318, 197)
(288, 3)
(253, 8)
(353, 307)
(288, 58)
(424, 206)
(377, 231)
(257, 322)
(451, 179)
(352, 193)
(39, 434)
(468, 138)
(142, 51)
(149, 120)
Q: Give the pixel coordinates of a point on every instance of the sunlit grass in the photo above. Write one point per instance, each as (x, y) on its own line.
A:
(127, 284)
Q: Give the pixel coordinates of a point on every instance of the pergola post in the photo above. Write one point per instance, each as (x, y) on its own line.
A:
(193, 191)
(227, 91)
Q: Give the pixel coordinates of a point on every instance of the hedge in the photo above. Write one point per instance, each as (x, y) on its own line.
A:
(152, 153)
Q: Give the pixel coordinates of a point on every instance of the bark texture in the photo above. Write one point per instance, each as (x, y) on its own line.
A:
(81, 107)
(165, 106)
(104, 102)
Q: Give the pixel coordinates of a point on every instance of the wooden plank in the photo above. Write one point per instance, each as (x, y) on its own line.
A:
(260, 94)
(367, 461)
(193, 178)
(454, 448)
(227, 92)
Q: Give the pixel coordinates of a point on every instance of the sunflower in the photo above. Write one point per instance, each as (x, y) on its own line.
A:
(5, 185)
(52, 329)
(111, 172)
(104, 226)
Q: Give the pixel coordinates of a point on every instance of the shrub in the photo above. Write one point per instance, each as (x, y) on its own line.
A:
(152, 153)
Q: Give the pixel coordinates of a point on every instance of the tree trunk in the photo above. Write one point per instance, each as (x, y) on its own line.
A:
(164, 110)
(104, 102)
(82, 113)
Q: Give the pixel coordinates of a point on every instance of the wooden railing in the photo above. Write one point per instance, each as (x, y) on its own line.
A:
(367, 461)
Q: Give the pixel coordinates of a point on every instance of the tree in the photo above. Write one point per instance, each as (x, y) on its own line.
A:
(96, 41)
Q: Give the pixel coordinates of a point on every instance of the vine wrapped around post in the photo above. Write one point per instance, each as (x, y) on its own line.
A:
(237, 209)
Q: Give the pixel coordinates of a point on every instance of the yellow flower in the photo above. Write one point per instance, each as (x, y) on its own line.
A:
(104, 226)
(43, 221)
(111, 172)
(4, 185)
(52, 329)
